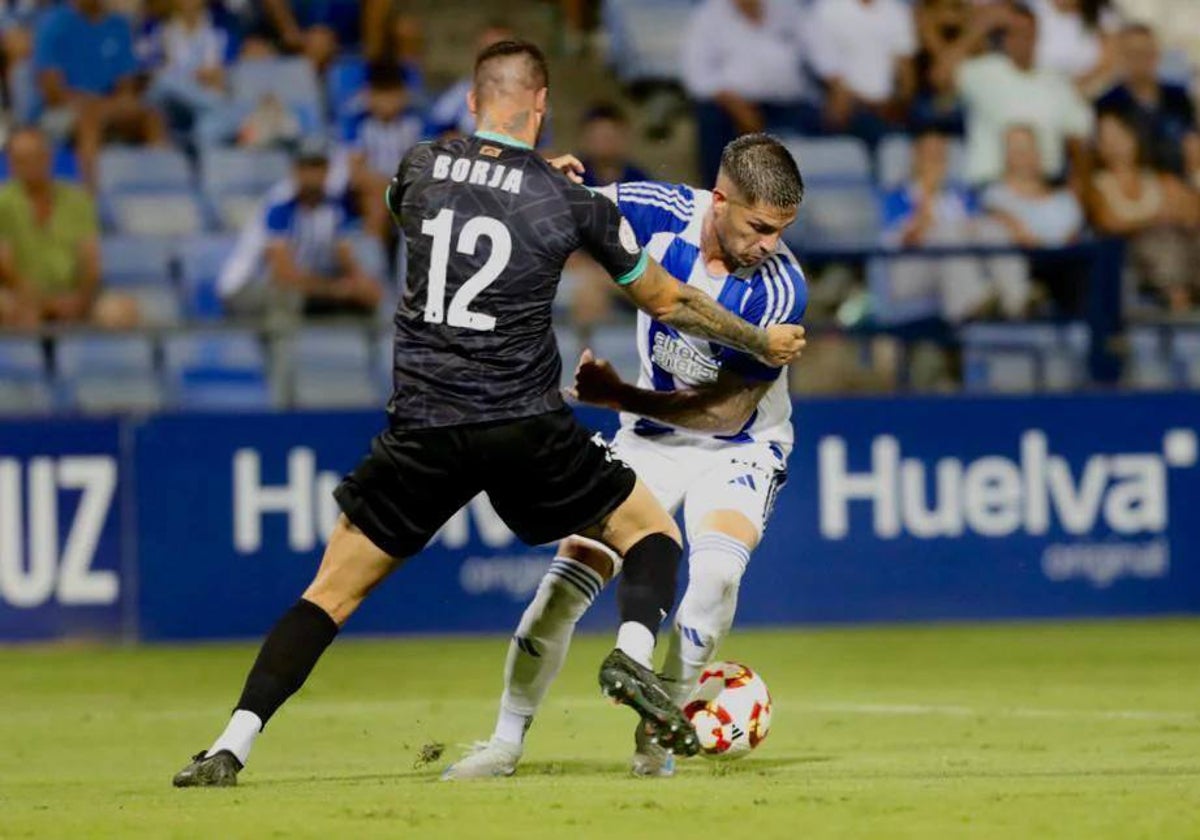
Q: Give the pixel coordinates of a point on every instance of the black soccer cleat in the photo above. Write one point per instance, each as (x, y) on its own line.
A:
(217, 770)
(636, 686)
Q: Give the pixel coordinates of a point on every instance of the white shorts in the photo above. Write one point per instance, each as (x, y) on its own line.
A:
(742, 477)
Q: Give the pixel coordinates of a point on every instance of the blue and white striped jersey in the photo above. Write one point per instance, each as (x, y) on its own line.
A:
(312, 232)
(667, 219)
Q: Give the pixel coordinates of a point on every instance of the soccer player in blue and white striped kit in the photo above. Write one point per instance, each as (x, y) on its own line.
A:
(708, 429)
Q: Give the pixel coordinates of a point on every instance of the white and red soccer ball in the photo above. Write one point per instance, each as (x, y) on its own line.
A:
(731, 710)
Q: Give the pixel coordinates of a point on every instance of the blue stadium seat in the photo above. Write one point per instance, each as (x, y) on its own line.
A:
(234, 181)
(231, 171)
(1019, 358)
(105, 373)
(1185, 357)
(160, 214)
(24, 377)
(331, 368)
(893, 162)
(384, 361)
(144, 170)
(142, 267)
(838, 217)
(200, 262)
(1147, 365)
(831, 161)
(224, 370)
(291, 80)
(645, 38)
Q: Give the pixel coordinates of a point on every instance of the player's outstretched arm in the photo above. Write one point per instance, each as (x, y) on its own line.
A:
(724, 407)
(691, 311)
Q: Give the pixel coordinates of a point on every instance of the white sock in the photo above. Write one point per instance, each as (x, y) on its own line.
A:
(705, 615)
(636, 640)
(539, 647)
(239, 735)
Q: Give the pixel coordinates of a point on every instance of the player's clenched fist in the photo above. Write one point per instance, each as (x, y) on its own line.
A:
(596, 382)
(785, 342)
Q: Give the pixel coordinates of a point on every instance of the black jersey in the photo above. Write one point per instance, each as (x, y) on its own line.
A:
(489, 224)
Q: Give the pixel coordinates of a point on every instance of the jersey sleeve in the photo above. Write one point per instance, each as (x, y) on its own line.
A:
(778, 295)
(652, 207)
(278, 218)
(607, 235)
(406, 172)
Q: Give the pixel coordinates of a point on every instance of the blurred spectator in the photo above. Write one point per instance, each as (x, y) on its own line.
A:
(450, 114)
(604, 147)
(270, 124)
(317, 28)
(863, 50)
(187, 53)
(49, 245)
(17, 21)
(742, 64)
(1163, 113)
(1154, 211)
(945, 30)
(1033, 213)
(929, 212)
(310, 258)
(378, 138)
(86, 72)
(1003, 89)
(1076, 37)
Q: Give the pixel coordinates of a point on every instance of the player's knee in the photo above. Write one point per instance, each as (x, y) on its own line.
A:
(591, 554)
(716, 564)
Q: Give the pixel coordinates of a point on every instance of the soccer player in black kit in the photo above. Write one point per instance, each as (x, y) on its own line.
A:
(477, 407)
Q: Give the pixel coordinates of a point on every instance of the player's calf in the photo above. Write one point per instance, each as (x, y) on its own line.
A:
(351, 567)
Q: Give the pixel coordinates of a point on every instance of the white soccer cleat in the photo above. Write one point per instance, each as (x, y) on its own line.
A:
(650, 759)
(485, 760)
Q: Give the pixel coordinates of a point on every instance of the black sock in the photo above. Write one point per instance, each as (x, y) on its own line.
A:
(646, 588)
(287, 657)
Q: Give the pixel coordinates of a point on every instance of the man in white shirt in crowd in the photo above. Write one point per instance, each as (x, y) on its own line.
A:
(743, 65)
(863, 50)
(1000, 90)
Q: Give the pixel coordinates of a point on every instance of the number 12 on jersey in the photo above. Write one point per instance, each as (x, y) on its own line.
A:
(441, 229)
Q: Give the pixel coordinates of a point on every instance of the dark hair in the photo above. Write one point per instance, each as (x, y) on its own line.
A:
(1091, 10)
(1130, 122)
(763, 170)
(538, 73)
(384, 75)
(608, 111)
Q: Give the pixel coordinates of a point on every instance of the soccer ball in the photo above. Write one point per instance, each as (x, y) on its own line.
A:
(731, 710)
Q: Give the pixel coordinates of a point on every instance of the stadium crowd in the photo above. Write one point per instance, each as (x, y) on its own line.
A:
(251, 140)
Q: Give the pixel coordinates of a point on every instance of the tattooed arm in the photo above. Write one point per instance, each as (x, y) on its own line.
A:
(691, 311)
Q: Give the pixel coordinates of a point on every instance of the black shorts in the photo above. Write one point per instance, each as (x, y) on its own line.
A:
(547, 477)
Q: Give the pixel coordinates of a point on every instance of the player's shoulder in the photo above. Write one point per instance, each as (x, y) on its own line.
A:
(678, 199)
(778, 290)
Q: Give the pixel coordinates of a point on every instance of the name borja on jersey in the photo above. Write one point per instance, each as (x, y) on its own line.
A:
(481, 173)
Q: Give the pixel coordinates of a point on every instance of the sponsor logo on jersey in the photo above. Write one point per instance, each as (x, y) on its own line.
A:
(677, 357)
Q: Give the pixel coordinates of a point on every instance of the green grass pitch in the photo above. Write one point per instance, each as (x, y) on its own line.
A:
(1083, 730)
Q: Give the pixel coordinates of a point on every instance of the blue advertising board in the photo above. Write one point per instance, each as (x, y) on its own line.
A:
(233, 514)
(957, 508)
(61, 503)
(896, 510)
